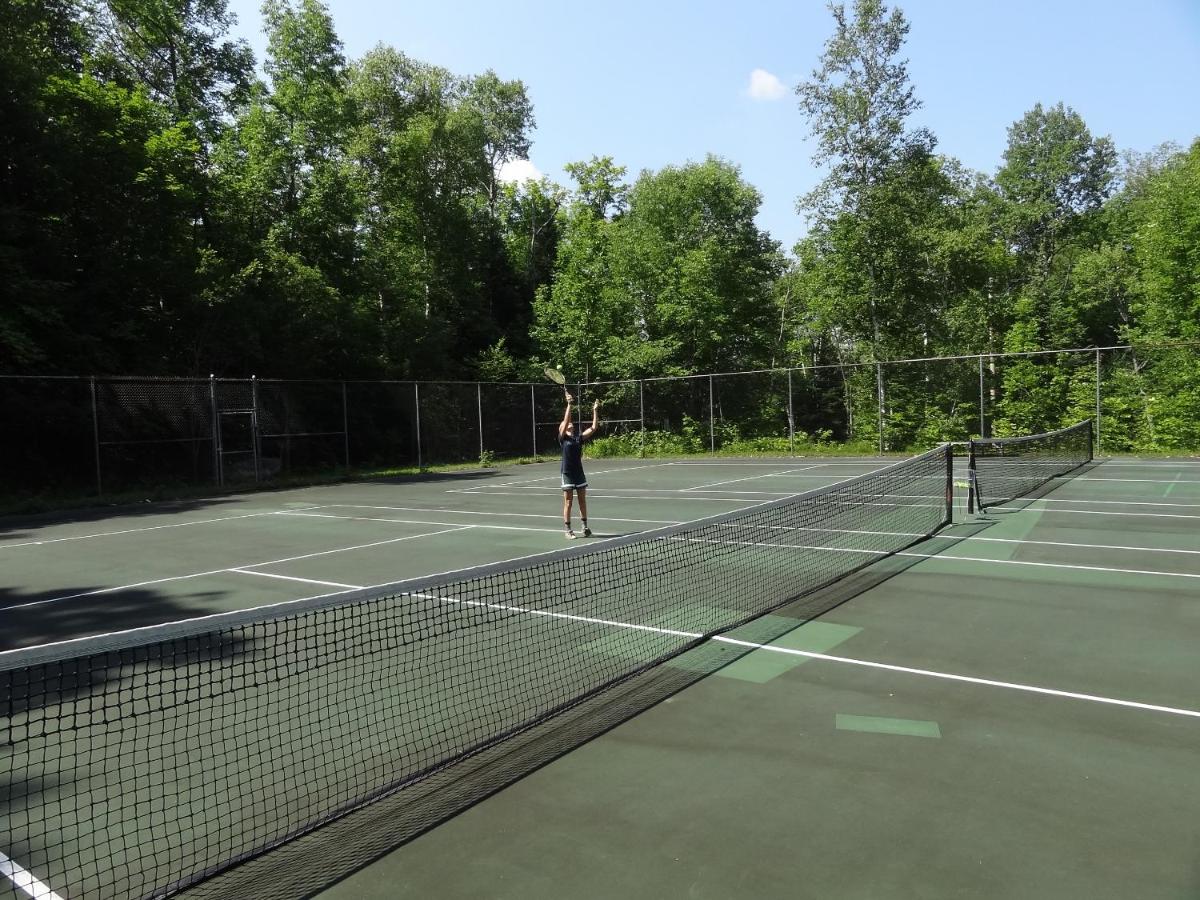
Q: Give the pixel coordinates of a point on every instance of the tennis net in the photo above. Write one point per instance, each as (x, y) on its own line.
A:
(140, 764)
(1002, 469)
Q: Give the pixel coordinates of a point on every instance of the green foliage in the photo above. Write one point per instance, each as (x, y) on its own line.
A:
(164, 211)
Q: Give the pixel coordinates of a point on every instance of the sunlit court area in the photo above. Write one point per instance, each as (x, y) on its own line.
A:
(636, 451)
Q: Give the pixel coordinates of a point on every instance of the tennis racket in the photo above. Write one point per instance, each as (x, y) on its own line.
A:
(557, 377)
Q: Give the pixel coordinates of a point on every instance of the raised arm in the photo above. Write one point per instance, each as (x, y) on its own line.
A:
(566, 420)
(595, 420)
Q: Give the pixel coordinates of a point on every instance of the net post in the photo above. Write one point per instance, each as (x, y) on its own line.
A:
(479, 409)
(712, 429)
(972, 484)
(96, 440)
(346, 424)
(949, 484)
(417, 419)
(533, 418)
(791, 418)
(1095, 436)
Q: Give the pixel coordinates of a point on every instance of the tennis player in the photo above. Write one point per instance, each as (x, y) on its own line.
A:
(573, 479)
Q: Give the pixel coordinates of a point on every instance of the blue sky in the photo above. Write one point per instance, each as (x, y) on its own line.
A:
(662, 82)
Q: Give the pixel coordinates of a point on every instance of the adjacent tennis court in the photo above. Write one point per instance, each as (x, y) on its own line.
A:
(732, 690)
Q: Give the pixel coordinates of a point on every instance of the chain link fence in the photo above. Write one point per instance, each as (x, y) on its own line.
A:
(107, 435)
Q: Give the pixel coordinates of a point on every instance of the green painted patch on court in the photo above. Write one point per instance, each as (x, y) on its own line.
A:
(878, 725)
(763, 665)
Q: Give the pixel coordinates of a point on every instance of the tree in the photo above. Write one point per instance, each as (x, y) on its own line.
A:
(695, 270)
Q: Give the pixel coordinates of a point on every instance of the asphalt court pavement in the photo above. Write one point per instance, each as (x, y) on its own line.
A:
(81, 574)
(1012, 715)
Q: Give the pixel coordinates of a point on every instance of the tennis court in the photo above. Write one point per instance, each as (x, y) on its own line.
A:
(837, 695)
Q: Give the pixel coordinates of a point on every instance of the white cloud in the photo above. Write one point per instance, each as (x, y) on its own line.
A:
(518, 170)
(765, 86)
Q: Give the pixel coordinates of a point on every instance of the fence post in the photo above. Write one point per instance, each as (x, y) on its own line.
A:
(981, 431)
(879, 397)
(255, 449)
(1098, 401)
(642, 419)
(479, 408)
(346, 424)
(791, 419)
(533, 419)
(218, 475)
(96, 440)
(712, 432)
(417, 416)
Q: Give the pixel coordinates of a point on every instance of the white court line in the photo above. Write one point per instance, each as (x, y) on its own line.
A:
(476, 512)
(349, 587)
(701, 487)
(555, 475)
(968, 679)
(1137, 480)
(1166, 464)
(1110, 502)
(941, 557)
(591, 494)
(928, 673)
(81, 537)
(971, 537)
(1095, 512)
(25, 881)
(751, 465)
(270, 562)
(422, 522)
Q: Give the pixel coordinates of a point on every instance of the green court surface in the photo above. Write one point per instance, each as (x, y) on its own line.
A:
(1008, 709)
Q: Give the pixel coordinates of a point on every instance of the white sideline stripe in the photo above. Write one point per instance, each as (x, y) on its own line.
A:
(282, 603)
(555, 475)
(961, 538)
(1098, 512)
(751, 465)
(349, 587)
(1165, 464)
(1113, 502)
(971, 537)
(701, 487)
(928, 673)
(270, 562)
(968, 679)
(81, 537)
(1139, 480)
(25, 881)
(745, 500)
(476, 512)
(420, 522)
(942, 557)
(504, 607)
